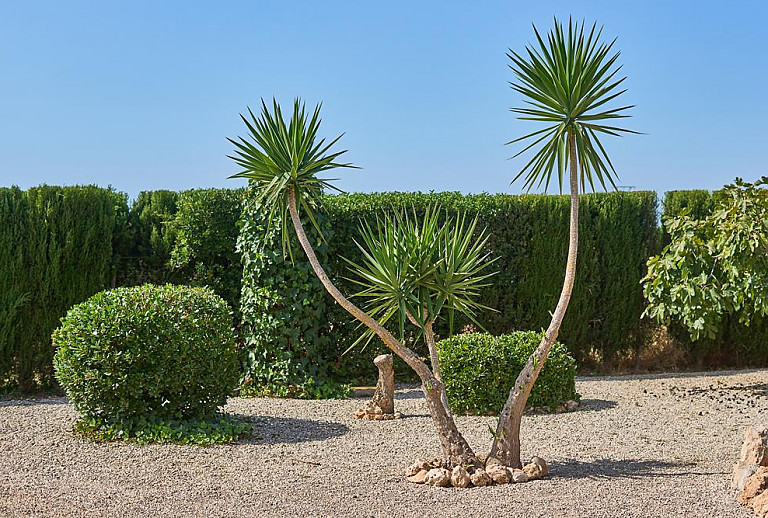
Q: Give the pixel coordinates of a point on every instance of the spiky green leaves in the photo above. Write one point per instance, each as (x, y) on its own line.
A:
(566, 81)
(414, 267)
(279, 157)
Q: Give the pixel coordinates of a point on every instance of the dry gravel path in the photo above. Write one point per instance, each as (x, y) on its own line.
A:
(640, 446)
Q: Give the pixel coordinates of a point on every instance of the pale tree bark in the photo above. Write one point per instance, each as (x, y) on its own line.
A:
(506, 441)
(455, 448)
(429, 338)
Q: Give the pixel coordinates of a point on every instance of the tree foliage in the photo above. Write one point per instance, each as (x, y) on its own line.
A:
(714, 266)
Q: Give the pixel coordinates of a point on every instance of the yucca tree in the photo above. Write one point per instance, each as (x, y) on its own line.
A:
(566, 81)
(282, 160)
(414, 268)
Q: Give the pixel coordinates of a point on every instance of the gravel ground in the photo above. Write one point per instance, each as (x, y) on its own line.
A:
(640, 446)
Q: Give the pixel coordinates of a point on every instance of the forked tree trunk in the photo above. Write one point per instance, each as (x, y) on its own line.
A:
(506, 441)
(455, 448)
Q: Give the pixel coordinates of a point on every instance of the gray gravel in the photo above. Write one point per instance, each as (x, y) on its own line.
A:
(640, 446)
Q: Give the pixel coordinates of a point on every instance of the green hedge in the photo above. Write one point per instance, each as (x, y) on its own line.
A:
(56, 249)
(289, 350)
(205, 230)
(479, 370)
(529, 234)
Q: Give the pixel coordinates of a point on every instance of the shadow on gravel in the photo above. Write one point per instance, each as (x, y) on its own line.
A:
(612, 468)
(287, 430)
(34, 402)
(595, 405)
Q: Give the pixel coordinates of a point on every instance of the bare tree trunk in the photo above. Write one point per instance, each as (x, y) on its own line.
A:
(506, 441)
(456, 450)
(429, 336)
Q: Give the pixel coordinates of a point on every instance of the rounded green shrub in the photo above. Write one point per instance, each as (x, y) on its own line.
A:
(130, 359)
(479, 369)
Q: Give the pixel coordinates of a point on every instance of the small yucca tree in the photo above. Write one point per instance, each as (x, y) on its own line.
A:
(566, 81)
(414, 268)
(282, 160)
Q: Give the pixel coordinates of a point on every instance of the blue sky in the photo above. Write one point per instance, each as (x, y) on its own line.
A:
(141, 95)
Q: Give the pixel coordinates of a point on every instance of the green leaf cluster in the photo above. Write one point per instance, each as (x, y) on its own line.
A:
(282, 158)
(715, 266)
(479, 370)
(413, 267)
(147, 352)
(566, 81)
(528, 236)
(289, 347)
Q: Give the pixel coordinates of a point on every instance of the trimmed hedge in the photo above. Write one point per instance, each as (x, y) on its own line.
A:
(529, 234)
(479, 370)
(56, 249)
(204, 249)
(132, 356)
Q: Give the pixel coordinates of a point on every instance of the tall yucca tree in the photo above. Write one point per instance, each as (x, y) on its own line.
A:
(566, 81)
(282, 160)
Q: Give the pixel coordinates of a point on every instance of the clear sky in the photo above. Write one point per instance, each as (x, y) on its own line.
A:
(142, 94)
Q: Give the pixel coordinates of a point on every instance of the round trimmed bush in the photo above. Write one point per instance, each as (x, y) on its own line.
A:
(147, 354)
(479, 369)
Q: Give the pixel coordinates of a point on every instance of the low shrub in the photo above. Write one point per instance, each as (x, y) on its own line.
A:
(478, 370)
(150, 363)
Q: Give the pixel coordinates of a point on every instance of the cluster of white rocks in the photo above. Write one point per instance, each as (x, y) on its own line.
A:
(494, 472)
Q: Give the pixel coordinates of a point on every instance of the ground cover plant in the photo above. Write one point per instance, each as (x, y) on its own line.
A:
(150, 363)
(568, 82)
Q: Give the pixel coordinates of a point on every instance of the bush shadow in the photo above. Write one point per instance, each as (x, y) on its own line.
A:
(624, 468)
(289, 430)
(595, 405)
(34, 401)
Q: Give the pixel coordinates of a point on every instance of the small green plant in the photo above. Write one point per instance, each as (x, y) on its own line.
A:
(478, 368)
(150, 363)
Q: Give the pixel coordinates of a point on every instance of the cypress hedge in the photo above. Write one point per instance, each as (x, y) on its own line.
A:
(56, 249)
(529, 235)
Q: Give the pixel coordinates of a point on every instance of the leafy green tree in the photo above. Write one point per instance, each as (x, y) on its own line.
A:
(282, 160)
(567, 81)
(714, 266)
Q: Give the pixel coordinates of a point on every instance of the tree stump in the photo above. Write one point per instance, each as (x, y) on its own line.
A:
(382, 404)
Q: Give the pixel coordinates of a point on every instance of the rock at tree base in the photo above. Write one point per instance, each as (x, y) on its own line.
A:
(536, 469)
(480, 478)
(499, 474)
(460, 477)
(418, 465)
(519, 476)
(438, 477)
(571, 405)
(381, 407)
(760, 504)
(418, 478)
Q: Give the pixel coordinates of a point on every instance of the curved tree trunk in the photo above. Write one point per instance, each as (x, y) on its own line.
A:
(456, 450)
(506, 441)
